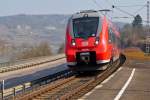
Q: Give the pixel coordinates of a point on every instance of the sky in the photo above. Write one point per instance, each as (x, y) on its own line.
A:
(13, 7)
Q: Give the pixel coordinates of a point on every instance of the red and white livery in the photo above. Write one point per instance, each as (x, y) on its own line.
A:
(91, 39)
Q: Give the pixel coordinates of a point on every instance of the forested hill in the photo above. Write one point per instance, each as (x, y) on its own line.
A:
(33, 29)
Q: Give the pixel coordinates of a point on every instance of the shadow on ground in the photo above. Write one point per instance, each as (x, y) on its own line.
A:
(122, 59)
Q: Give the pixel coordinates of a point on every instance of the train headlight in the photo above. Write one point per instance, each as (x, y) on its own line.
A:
(97, 41)
(73, 42)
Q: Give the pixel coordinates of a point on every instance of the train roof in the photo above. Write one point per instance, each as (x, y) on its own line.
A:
(86, 13)
(95, 13)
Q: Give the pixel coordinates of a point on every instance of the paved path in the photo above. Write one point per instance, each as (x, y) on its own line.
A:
(130, 82)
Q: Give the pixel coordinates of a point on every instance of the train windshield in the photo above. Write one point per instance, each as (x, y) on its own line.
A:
(85, 27)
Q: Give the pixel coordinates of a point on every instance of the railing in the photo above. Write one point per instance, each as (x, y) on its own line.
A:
(11, 93)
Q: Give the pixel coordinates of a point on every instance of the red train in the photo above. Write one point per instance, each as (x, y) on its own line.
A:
(91, 39)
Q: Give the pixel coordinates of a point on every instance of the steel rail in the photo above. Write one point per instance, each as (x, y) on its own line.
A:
(69, 88)
(83, 89)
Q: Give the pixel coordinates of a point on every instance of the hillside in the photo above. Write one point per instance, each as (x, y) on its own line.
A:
(32, 29)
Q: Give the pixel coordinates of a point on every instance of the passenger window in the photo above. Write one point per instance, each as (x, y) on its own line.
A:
(110, 36)
(113, 37)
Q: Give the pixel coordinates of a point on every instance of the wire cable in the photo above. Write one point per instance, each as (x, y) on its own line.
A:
(108, 3)
(140, 9)
(131, 6)
(117, 8)
(123, 11)
(97, 4)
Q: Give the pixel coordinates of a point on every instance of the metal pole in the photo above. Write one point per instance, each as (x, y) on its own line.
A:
(14, 92)
(147, 35)
(148, 14)
(24, 88)
(3, 87)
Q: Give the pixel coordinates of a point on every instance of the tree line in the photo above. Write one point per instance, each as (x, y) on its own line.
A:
(134, 34)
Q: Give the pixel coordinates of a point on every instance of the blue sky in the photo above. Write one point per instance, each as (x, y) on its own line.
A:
(13, 7)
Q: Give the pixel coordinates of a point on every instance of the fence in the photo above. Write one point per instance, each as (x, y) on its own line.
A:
(11, 93)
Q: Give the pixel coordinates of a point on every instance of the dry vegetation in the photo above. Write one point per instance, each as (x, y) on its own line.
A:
(136, 54)
(61, 49)
(134, 34)
(42, 49)
(4, 47)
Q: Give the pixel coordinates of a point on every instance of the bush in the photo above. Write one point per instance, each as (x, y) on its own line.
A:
(42, 49)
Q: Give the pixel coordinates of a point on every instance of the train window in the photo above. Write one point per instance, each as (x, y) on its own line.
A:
(110, 35)
(85, 27)
(118, 42)
(69, 25)
(112, 38)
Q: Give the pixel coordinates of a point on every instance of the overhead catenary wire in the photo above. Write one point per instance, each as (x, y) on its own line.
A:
(97, 4)
(132, 16)
(123, 11)
(112, 6)
(122, 17)
(118, 8)
(140, 9)
(130, 5)
(108, 3)
(128, 18)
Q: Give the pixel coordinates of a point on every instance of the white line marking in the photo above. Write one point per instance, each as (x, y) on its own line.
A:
(81, 99)
(119, 69)
(89, 93)
(100, 85)
(106, 80)
(125, 86)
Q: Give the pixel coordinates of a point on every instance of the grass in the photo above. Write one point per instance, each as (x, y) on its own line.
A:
(136, 54)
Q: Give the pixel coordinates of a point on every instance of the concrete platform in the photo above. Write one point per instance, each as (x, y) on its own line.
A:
(130, 82)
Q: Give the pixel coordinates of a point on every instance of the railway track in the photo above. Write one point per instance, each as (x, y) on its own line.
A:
(69, 88)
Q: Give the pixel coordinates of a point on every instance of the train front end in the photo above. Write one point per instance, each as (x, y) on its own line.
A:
(85, 43)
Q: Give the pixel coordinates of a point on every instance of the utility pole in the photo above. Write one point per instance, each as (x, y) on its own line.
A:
(148, 14)
(2, 90)
(147, 43)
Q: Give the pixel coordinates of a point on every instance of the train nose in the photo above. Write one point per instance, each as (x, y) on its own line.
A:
(86, 59)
